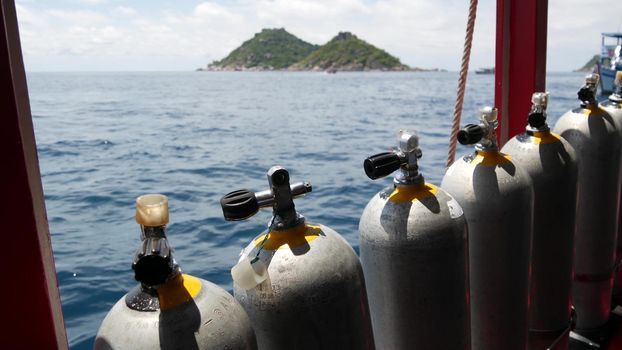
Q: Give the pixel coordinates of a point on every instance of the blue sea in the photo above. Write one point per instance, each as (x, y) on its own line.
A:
(106, 138)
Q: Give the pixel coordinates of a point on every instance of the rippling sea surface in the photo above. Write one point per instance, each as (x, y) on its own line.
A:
(106, 138)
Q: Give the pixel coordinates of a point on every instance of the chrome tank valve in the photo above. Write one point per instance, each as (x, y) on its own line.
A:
(536, 121)
(404, 158)
(153, 262)
(587, 93)
(482, 134)
(242, 204)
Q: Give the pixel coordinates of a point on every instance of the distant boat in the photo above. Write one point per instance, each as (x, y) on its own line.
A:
(610, 61)
(331, 70)
(485, 71)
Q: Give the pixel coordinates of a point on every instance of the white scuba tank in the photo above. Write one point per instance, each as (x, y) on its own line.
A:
(171, 310)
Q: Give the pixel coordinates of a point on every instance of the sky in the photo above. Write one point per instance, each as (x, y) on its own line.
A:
(168, 35)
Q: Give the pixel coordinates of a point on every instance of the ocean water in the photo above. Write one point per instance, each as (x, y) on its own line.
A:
(106, 138)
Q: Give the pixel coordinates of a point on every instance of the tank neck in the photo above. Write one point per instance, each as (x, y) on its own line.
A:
(153, 262)
(153, 232)
(536, 120)
(587, 93)
(488, 124)
(408, 152)
(285, 215)
(408, 178)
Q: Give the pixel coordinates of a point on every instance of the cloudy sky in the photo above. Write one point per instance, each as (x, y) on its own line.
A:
(113, 35)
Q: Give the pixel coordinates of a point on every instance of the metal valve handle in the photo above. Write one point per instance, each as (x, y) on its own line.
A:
(404, 158)
(154, 264)
(242, 204)
(239, 205)
(470, 134)
(381, 165)
(483, 134)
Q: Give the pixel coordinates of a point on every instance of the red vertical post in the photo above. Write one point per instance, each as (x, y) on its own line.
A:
(520, 64)
(30, 298)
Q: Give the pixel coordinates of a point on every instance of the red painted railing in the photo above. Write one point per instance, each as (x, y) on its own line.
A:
(520, 65)
(31, 310)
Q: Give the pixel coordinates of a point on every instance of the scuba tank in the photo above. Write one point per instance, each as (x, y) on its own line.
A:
(171, 310)
(497, 198)
(551, 163)
(613, 106)
(593, 134)
(414, 255)
(301, 284)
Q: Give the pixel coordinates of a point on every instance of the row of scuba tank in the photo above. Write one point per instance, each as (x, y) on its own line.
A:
(494, 258)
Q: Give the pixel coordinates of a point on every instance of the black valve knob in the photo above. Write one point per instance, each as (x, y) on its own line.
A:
(152, 270)
(470, 134)
(586, 95)
(536, 119)
(239, 205)
(153, 263)
(381, 165)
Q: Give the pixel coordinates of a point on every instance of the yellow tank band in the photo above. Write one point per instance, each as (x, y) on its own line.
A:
(490, 158)
(589, 110)
(292, 238)
(405, 194)
(177, 291)
(544, 137)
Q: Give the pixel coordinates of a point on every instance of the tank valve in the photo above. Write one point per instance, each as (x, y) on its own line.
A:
(587, 93)
(537, 116)
(153, 262)
(404, 157)
(482, 134)
(242, 204)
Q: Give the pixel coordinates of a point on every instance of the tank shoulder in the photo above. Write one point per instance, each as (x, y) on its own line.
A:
(587, 121)
(423, 221)
(532, 151)
(468, 179)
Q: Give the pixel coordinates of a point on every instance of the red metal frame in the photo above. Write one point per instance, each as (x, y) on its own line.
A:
(30, 298)
(520, 61)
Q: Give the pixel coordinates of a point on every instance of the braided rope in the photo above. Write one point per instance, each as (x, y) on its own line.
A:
(464, 71)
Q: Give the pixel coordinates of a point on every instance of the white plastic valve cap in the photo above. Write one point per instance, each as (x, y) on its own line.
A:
(152, 210)
(247, 275)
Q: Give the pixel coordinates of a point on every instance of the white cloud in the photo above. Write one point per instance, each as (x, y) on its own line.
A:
(124, 10)
(210, 9)
(425, 33)
(73, 17)
(91, 2)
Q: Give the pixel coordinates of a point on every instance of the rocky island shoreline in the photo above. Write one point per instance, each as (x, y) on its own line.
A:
(279, 50)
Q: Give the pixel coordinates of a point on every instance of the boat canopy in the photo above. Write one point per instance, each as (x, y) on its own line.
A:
(613, 35)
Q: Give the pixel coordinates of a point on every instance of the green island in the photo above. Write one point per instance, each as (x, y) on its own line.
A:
(277, 49)
(589, 66)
